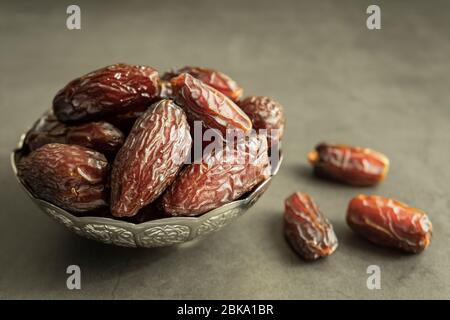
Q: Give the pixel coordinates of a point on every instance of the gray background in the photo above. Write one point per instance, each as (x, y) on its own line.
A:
(338, 81)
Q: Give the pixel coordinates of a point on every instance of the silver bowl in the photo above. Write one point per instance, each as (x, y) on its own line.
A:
(154, 233)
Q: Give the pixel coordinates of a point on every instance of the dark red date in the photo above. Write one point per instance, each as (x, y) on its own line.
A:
(222, 176)
(100, 136)
(48, 129)
(125, 121)
(307, 230)
(216, 79)
(115, 89)
(150, 158)
(347, 164)
(204, 103)
(265, 113)
(71, 177)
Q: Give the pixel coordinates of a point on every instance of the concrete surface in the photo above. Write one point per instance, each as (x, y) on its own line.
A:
(386, 89)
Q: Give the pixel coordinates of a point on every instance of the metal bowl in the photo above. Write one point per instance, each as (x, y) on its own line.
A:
(154, 233)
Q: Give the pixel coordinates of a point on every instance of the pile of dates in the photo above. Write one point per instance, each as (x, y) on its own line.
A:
(381, 220)
(119, 142)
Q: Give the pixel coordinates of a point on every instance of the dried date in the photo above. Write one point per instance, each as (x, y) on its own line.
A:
(347, 164)
(115, 89)
(150, 158)
(71, 177)
(307, 230)
(216, 79)
(222, 176)
(204, 103)
(100, 136)
(48, 129)
(265, 113)
(125, 121)
(390, 223)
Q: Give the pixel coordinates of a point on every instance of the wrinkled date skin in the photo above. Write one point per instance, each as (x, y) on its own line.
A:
(100, 136)
(115, 89)
(48, 129)
(150, 158)
(390, 223)
(221, 177)
(125, 121)
(204, 103)
(307, 230)
(71, 177)
(347, 164)
(265, 113)
(216, 79)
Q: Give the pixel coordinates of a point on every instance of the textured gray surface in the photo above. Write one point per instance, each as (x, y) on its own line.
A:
(386, 89)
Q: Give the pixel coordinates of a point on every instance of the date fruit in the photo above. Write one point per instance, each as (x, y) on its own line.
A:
(48, 129)
(125, 121)
(100, 136)
(390, 223)
(71, 177)
(347, 164)
(306, 228)
(204, 103)
(115, 89)
(223, 175)
(150, 158)
(265, 113)
(218, 80)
